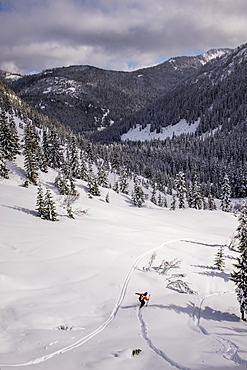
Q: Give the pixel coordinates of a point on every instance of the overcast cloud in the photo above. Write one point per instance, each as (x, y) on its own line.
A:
(114, 34)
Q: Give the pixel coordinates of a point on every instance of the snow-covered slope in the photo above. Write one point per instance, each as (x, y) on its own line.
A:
(68, 287)
(139, 134)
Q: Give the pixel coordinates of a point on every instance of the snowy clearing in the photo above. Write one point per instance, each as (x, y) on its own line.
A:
(139, 134)
(68, 287)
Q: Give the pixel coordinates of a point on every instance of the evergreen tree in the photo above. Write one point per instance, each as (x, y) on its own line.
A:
(226, 195)
(29, 152)
(15, 136)
(211, 202)
(103, 176)
(83, 166)
(40, 204)
(189, 195)
(220, 259)
(50, 207)
(73, 158)
(92, 183)
(123, 180)
(45, 146)
(160, 202)
(55, 156)
(241, 234)
(138, 196)
(153, 196)
(4, 171)
(181, 189)
(239, 276)
(173, 203)
(41, 160)
(9, 140)
(65, 185)
(196, 201)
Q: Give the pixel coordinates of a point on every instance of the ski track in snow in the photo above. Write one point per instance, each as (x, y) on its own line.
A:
(152, 346)
(107, 322)
(230, 350)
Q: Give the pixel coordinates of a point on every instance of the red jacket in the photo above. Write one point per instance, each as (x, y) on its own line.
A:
(144, 296)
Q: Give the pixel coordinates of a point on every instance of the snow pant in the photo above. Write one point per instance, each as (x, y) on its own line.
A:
(142, 303)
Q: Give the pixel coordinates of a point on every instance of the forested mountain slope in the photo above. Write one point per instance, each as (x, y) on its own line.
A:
(216, 95)
(216, 98)
(88, 99)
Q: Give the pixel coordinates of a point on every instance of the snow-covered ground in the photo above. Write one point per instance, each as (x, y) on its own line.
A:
(82, 275)
(139, 134)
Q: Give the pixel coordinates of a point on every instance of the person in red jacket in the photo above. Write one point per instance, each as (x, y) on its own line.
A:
(142, 298)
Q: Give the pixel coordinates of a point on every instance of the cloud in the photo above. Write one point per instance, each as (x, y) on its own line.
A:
(116, 34)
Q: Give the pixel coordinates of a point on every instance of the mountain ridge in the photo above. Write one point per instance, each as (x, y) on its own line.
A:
(214, 95)
(88, 98)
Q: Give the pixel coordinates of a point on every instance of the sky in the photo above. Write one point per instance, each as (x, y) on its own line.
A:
(114, 34)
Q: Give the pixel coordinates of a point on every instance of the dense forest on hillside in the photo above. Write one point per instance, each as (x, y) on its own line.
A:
(211, 156)
(216, 96)
(86, 98)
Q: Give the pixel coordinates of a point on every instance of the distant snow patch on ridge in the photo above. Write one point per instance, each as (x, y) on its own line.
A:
(139, 134)
(213, 54)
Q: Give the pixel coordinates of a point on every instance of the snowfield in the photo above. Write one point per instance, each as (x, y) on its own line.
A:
(139, 134)
(68, 287)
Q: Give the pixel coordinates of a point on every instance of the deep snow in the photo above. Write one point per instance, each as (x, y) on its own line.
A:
(139, 134)
(82, 275)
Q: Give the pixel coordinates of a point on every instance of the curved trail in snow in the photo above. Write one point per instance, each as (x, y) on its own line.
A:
(106, 323)
(155, 349)
(230, 350)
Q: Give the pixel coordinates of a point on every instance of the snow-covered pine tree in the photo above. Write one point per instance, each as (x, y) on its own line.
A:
(45, 145)
(50, 207)
(219, 261)
(196, 201)
(55, 155)
(73, 158)
(239, 276)
(83, 166)
(181, 189)
(173, 203)
(9, 140)
(163, 201)
(42, 161)
(92, 183)
(160, 202)
(138, 196)
(15, 136)
(40, 203)
(241, 234)
(211, 202)
(189, 195)
(124, 181)
(170, 184)
(153, 196)
(226, 195)
(29, 151)
(102, 176)
(4, 171)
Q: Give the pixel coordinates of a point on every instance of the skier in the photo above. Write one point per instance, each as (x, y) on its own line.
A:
(143, 297)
